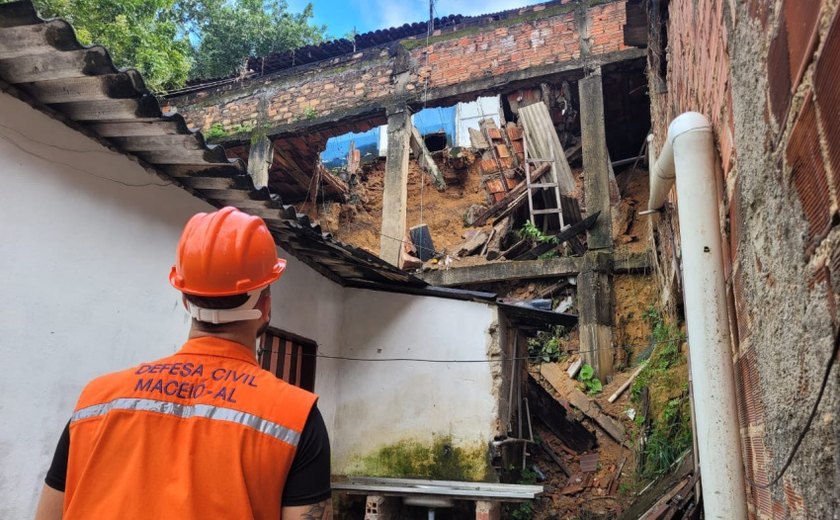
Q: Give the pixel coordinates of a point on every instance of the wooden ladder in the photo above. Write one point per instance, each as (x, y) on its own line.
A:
(530, 186)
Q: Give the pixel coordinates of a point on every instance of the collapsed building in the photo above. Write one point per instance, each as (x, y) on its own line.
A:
(499, 162)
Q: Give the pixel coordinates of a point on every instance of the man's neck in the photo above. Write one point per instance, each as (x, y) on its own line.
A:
(244, 338)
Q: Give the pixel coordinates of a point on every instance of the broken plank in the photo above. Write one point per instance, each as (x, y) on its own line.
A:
(472, 245)
(565, 235)
(424, 158)
(556, 458)
(567, 388)
(625, 385)
(554, 416)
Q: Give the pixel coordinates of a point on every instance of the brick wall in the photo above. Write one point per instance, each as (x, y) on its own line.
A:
(538, 36)
(769, 86)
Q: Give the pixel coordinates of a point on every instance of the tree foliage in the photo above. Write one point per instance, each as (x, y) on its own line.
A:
(170, 41)
(228, 32)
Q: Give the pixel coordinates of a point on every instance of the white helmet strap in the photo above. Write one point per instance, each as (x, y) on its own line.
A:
(244, 312)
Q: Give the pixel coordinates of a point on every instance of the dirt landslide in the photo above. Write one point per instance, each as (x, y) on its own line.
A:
(603, 493)
(359, 222)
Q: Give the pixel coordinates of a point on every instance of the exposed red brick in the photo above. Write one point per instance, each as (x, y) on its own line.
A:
(809, 175)
(827, 92)
(752, 390)
(778, 74)
(741, 389)
(779, 511)
(794, 501)
(801, 17)
(757, 471)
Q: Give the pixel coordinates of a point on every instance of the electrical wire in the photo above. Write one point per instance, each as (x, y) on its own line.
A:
(810, 420)
(36, 155)
(500, 360)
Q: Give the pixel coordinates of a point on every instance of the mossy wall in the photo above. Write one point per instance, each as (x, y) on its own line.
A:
(439, 458)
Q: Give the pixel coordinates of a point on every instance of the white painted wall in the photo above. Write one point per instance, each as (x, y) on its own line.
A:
(84, 291)
(307, 304)
(382, 403)
(83, 282)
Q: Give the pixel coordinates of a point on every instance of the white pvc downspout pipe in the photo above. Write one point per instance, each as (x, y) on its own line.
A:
(688, 156)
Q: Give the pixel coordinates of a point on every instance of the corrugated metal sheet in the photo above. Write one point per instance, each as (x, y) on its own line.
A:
(543, 143)
(43, 63)
(314, 53)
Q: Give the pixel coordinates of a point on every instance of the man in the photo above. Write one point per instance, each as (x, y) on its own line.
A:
(205, 433)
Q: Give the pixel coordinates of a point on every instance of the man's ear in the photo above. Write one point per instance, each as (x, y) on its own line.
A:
(264, 303)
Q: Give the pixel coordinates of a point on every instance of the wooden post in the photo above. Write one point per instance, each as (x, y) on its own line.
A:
(395, 191)
(595, 289)
(596, 160)
(595, 303)
(260, 157)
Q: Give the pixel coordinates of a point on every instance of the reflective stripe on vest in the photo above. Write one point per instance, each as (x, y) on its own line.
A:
(205, 411)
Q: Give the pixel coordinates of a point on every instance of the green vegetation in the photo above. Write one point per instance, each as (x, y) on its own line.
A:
(307, 114)
(216, 131)
(665, 376)
(524, 510)
(532, 232)
(587, 377)
(440, 459)
(172, 40)
(669, 437)
(545, 346)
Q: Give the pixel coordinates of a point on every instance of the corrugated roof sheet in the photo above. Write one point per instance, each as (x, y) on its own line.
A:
(44, 64)
(275, 62)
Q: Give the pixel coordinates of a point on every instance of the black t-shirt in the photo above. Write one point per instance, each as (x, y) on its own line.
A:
(308, 481)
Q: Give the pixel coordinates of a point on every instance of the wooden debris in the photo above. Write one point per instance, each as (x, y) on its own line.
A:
(625, 385)
(471, 245)
(557, 460)
(554, 416)
(661, 505)
(493, 248)
(487, 242)
(552, 289)
(577, 483)
(510, 201)
(562, 237)
(613, 485)
(574, 368)
(424, 158)
(567, 388)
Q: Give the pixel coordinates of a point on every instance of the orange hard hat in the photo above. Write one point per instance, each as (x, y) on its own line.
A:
(224, 253)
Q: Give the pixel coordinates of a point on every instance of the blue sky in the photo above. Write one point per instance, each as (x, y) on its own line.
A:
(340, 16)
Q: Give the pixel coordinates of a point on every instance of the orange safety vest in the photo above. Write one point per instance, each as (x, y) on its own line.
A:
(205, 433)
